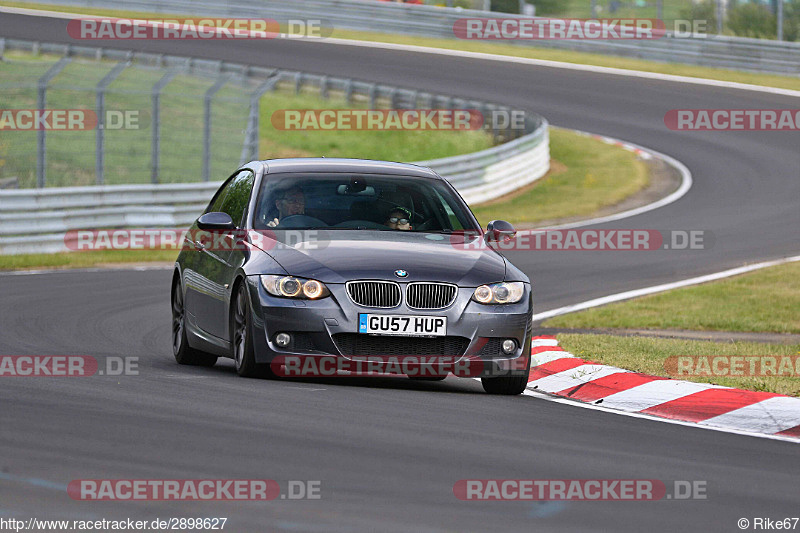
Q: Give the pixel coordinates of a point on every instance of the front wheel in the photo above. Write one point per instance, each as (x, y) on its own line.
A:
(244, 355)
(510, 385)
(185, 354)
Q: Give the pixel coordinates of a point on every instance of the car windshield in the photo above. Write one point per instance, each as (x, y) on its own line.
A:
(360, 202)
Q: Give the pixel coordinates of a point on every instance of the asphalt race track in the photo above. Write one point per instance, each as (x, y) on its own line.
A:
(387, 452)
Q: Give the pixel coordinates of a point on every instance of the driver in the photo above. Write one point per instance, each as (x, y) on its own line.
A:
(289, 202)
(399, 218)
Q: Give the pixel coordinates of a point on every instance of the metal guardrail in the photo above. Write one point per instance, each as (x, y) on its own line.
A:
(36, 220)
(369, 15)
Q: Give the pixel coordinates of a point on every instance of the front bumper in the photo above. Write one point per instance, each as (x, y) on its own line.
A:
(329, 327)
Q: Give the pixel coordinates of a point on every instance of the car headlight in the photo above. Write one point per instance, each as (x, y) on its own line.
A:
(500, 293)
(292, 287)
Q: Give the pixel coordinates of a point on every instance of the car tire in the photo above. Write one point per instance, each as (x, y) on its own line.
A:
(185, 354)
(510, 385)
(244, 355)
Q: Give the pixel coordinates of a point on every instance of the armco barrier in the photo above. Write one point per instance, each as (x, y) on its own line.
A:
(740, 53)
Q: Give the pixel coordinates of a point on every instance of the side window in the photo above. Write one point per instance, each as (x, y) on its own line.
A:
(216, 203)
(238, 196)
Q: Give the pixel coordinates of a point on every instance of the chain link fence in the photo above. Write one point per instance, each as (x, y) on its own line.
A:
(133, 122)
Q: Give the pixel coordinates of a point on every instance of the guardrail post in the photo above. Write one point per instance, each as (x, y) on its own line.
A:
(323, 87)
(373, 96)
(348, 91)
(100, 153)
(41, 133)
(156, 124)
(780, 20)
(207, 124)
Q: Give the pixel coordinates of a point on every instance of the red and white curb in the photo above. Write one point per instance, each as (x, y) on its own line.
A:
(557, 372)
(641, 153)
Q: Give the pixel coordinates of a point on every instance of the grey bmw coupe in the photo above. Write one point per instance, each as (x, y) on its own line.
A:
(349, 259)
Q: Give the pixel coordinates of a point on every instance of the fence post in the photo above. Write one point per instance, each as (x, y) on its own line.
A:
(207, 124)
(100, 152)
(41, 134)
(156, 124)
(780, 20)
(250, 149)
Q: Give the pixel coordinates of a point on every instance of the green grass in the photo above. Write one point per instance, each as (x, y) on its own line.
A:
(586, 175)
(649, 355)
(85, 259)
(499, 48)
(365, 144)
(767, 300)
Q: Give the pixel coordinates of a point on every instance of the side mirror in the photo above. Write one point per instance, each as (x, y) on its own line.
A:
(216, 222)
(499, 231)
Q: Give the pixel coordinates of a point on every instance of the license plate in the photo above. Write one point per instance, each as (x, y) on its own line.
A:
(417, 326)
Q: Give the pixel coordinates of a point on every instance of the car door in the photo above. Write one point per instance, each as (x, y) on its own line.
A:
(218, 259)
(196, 262)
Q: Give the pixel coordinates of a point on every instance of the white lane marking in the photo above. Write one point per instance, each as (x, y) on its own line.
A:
(768, 416)
(484, 56)
(686, 184)
(574, 377)
(606, 409)
(627, 295)
(653, 393)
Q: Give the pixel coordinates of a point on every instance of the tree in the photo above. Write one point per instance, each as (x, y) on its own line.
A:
(752, 20)
(705, 10)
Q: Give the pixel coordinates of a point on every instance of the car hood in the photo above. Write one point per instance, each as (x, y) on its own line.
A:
(340, 256)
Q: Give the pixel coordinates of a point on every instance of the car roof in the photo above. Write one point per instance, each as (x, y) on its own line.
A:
(365, 166)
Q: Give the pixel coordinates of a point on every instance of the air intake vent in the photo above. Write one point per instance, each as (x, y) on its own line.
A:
(364, 345)
(430, 295)
(383, 294)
